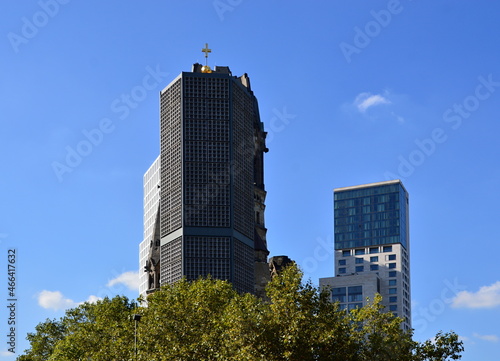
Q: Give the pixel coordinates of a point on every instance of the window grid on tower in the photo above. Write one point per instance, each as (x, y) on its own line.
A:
(195, 129)
(171, 261)
(207, 135)
(218, 130)
(243, 154)
(207, 216)
(208, 256)
(196, 172)
(170, 127)
(243, 271)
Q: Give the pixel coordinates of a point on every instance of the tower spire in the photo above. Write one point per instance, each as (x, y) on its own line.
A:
(206, 68)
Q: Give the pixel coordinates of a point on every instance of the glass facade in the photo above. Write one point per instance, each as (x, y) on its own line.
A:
(370, 216)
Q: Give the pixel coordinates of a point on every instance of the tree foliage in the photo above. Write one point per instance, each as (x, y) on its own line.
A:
(208, 320)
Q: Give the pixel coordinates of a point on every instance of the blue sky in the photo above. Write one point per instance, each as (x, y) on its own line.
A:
(350, 92)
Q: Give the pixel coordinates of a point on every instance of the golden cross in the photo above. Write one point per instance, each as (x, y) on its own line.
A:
(206, 50)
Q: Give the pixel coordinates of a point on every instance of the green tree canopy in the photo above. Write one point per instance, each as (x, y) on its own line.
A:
(208, 320)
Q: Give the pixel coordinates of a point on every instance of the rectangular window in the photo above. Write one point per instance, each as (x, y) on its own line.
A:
(360, 268)
(355, 293)
(342, 270)
(374, 250)
(392, 265)
(392, 274)
(393, 291)
(374, 259)
(393, 299)
(342, 262)
(358, 252)
(374, 267)
(338, 294)
(355, 298)
(346, 253)
(392, 257)
(387, 248)
(359, 261)
(392, 282)
(393, 307)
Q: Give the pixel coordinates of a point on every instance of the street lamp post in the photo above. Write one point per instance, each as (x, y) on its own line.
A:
(136, 319)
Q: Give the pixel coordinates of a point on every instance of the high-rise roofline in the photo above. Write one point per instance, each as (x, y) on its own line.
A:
(395, 181)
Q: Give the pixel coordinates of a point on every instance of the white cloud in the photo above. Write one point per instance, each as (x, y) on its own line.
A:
(486, 297)
(129, 279)
(367, 100)
(54, 300)
(489, 338)
(93, 299)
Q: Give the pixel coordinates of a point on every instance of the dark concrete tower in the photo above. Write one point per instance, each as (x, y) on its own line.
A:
(211, 214)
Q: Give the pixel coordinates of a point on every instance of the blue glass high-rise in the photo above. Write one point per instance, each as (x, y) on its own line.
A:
(372, 247)
(371, 216)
